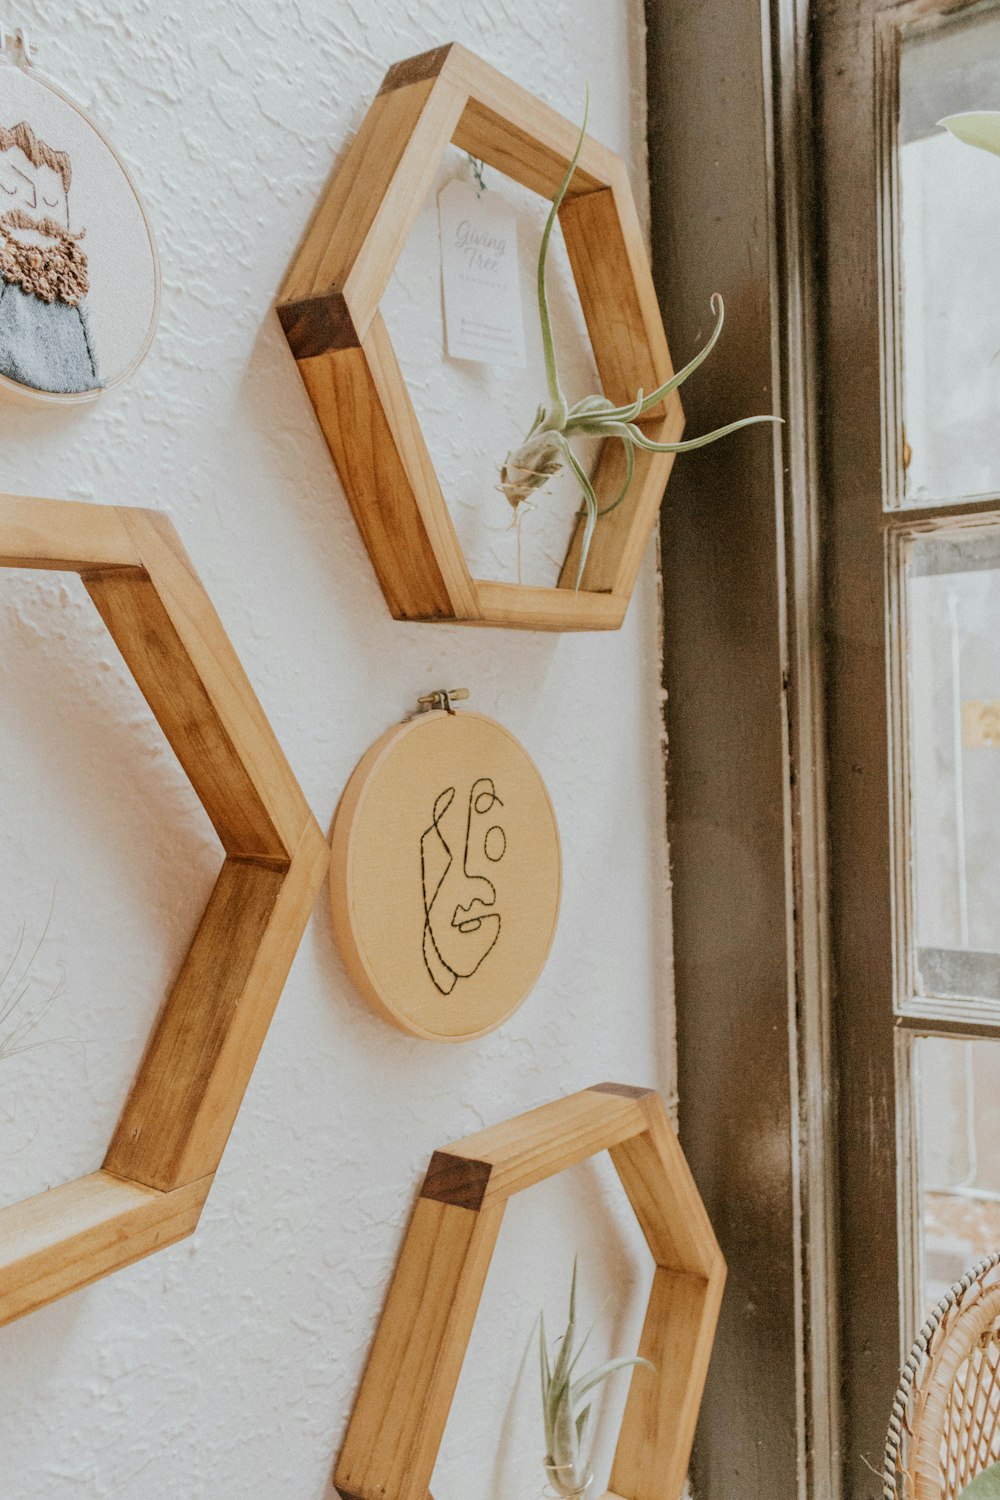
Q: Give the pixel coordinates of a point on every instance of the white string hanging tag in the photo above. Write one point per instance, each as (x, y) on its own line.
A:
(478, 173)
(16, 46)
(27, 48)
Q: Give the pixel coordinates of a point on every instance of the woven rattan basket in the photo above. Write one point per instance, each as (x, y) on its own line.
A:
(945, 1425)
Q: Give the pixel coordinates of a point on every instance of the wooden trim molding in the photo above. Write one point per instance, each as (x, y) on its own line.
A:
(329, 311)
(399, 1418)
(743, 610)
(189, 1087)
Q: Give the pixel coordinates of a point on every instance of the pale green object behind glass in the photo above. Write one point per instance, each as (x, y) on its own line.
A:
(985, 1486)
(976, 128)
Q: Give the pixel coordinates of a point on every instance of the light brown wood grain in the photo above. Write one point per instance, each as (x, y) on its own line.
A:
(241, 719)
(520, 135)
(630, 345)
(664, 1195)
(153, 1141)
(402, 1407)
(329, 311)
(65, 1238)
(147, 637)
(549, 1139)
(657, 1432)
(371, 428)
(191, 1082)
(362, 224)
(524, 607)
(64, 535)
(399, 1419)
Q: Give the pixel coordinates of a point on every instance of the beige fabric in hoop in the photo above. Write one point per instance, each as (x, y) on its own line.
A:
(945, 1424)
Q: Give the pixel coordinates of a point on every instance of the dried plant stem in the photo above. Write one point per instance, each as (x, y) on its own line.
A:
(16, 983)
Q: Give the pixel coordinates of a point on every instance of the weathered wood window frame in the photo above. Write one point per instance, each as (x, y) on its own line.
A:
(731, 171)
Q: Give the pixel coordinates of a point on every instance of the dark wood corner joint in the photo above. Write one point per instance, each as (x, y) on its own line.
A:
(317, 325)
(457, 1180)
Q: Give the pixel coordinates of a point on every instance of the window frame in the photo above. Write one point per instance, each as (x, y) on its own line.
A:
(743, 672)
(858, 45)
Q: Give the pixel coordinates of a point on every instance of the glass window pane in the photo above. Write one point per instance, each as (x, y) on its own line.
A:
(958, 1128)
(953, 619)
(948, 234)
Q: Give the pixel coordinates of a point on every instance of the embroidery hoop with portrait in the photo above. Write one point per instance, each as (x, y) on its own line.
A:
(79, 272)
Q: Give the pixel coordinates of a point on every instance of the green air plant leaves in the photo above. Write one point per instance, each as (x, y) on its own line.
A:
(566, 1418)
(546, 448)
(976, 128)
(985, 1486)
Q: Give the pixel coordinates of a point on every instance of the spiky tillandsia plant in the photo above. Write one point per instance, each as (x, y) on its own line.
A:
(565, 1409)
(547, 446)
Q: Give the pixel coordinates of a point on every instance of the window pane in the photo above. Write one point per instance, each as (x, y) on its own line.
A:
(949, 230)
(953, 617)
(958, 1125)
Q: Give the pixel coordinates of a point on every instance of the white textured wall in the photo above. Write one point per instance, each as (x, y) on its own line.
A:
(226, 1366)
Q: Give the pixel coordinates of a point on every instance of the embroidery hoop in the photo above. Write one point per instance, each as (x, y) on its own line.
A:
(387, 863)
(17, 51)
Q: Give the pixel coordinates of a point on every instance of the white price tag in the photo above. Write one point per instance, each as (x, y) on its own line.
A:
(483, 316)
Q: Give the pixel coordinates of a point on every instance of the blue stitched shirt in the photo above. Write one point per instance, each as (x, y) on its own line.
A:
(45, 345)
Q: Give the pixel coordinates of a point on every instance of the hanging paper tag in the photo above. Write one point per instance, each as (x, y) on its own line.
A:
(482, 292)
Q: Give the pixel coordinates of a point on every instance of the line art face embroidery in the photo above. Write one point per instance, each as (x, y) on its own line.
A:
(462, 920)
(446, 874)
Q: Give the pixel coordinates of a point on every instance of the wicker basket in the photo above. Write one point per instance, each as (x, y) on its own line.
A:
(945, 1425)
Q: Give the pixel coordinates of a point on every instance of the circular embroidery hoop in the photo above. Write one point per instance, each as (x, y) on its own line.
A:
(446, 875)
(79, 274)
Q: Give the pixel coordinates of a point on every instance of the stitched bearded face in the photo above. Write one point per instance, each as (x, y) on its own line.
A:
(38, 251)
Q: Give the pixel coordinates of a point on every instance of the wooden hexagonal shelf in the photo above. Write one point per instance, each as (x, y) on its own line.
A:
(189, 1087)
(395, 1431)
(329, 309)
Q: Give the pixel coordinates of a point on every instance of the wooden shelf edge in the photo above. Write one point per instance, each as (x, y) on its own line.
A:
(70, 536)
(504, 1159)
(525, 607)
(62, 1240)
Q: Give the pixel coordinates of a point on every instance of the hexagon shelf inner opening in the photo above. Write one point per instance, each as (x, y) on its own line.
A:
(409, 1383)
(190, 1084)
(330, 311)
(473, 413)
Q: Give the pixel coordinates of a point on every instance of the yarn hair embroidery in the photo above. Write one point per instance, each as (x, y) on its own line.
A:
(38, 152)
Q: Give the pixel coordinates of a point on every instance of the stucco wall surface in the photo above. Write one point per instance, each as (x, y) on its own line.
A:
(226, 1366)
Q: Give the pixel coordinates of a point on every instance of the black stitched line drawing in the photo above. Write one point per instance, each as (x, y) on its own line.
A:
(457, 937)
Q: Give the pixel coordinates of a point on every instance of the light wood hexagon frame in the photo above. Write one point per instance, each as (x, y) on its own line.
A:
(187, 1092)
(329, 309)
(398, 1421)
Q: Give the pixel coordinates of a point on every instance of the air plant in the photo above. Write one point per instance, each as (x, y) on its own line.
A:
(547, 446)
(565, 1409)
(18, 1018)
